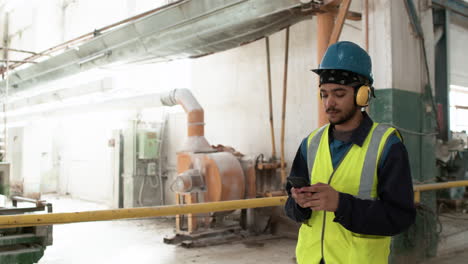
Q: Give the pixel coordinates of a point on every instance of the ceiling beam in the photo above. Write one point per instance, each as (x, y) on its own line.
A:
(340, 18)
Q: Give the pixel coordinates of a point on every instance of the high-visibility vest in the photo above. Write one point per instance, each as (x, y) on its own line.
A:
(356, 174)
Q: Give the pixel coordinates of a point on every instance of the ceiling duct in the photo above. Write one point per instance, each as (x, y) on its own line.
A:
(187, 29)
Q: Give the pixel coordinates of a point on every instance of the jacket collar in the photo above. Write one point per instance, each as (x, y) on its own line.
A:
(360, 133)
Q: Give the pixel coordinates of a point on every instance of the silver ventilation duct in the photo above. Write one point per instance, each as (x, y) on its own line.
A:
(187, 29)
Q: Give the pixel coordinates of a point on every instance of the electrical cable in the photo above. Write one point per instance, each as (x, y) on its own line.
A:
(140, 194)
(411, 131)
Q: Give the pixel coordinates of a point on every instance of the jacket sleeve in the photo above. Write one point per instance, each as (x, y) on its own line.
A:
(394, 210)
(298, 169)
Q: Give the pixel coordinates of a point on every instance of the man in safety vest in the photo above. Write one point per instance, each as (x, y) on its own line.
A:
(360, 191)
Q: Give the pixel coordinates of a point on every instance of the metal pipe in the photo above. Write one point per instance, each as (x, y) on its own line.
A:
(11, 221)
(366, 24)
(440, 185)
(461, 107)
(160, 176)
(21, 51)
(283, 115)
(18, 61)
(340, 18)
(196, 140)
(142, 212)
(7, 84)
(325, 23)
(91, 35)
(270, 99)
(436, 186)
(195, 114)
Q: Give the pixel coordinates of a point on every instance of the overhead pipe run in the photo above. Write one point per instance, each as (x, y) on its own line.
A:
(185, 29)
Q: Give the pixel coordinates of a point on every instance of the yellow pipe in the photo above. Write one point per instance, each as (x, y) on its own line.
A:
(417, 196)
(439, 185)
(9, 221)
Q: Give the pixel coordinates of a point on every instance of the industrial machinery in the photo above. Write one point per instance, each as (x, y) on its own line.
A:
(452, 164)
(209, 174)
(139, 165)
(22, 245)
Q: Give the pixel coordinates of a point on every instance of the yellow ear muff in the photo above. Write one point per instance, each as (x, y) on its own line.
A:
(362, 95)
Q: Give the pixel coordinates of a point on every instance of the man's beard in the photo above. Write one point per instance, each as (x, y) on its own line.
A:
(348, 115)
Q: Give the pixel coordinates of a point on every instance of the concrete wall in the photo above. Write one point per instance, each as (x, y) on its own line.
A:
(37, 164)
(85, 157)
(458, 39)
(404, 101)
(231, 86)
(394, 47)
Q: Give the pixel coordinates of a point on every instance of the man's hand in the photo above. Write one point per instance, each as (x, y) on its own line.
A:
(318, 197)
(302, 196)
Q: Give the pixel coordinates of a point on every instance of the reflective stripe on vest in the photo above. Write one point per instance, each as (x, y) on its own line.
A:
(356, 174)
(313, 143)
(370, 163)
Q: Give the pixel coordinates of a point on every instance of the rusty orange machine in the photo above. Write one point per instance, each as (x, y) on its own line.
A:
(211, 173)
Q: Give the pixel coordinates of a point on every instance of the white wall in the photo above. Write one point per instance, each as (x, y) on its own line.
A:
(380, 45)
(458, 56)
(37, 152)
(86, 157)
(394, 47)
(458, 78)
(232, 87)
(458, 116)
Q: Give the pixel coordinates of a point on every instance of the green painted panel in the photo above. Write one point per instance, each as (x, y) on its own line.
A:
(19, 239)
(412, 113)
(402, 109)
(22, 256)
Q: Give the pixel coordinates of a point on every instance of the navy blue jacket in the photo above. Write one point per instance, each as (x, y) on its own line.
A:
(391, 213)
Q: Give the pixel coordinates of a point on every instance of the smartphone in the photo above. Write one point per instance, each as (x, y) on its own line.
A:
(298, 182)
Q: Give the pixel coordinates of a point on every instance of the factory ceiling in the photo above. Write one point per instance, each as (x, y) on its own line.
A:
(182, 29)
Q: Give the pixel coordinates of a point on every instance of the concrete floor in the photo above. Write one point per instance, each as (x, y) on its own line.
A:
(141, 241)
(455, 258)
(453, 242)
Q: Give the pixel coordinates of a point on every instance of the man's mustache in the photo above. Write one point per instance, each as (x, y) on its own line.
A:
(332, 109)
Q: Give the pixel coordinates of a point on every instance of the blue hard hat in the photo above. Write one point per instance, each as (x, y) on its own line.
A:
(346, 55)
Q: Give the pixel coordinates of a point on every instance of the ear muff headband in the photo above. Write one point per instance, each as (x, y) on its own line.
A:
(362, 95)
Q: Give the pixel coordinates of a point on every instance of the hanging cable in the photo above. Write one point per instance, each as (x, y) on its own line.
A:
(411, 131)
